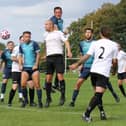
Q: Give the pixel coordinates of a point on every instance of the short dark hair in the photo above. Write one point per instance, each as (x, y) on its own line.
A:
(27, 32)
(20, 37)
(57, 8)
(105, 31)
(10, 42)
(90, 29)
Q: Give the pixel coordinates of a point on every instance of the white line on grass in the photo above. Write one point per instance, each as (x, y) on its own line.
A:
(39, 110)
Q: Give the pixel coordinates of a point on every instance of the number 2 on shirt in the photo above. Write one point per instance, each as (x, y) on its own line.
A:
(101, 55)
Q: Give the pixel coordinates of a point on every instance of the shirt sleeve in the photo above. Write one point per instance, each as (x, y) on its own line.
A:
(14, 53)
(53, 19)
(20, 50)
(62, 36)
(36, 47)
(91, 50)
(44, 37)
(81, 51)
(115, 54)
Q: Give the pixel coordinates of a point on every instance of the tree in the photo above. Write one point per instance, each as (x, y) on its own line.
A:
(114, 16)
(2, 46)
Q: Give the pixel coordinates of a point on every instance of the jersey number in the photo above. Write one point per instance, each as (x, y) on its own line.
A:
(101, 55)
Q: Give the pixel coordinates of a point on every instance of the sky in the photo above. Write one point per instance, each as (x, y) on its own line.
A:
(20, 15)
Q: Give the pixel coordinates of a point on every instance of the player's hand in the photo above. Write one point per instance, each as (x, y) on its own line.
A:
(20, 67)
(34, 67)
(69, 54)
(73, 66)
(43, 58)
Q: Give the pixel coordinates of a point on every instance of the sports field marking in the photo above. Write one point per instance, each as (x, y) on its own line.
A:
(39, 110)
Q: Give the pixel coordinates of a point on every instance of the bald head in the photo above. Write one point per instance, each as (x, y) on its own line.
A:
(49, 25)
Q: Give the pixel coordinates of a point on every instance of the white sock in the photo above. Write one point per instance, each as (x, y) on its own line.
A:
(20, 95)
(2, 96)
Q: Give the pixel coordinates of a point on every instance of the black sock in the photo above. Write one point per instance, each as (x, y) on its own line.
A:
(100, 105)
(31, 94)
(3, 88)
(39, 94)
(93, 103)
(122, 90)
(109, 86)
(56, 82)
(11, 96)
(19, 88)
(75, 94)
(25, 95)
(48, 91)
(62, 88)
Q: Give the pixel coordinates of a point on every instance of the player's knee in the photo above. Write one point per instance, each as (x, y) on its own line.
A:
(14, 87)
(100, 89)
(5, 81)
(37, 87)
(31, 86)
(60, 76)
(48, 80)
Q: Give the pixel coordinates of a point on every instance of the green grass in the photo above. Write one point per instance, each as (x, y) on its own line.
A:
(64, 116)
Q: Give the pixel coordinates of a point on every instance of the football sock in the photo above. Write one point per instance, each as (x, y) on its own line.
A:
(3, 88)
(75, 94)
(93, 103)
(56, 82)
(39, 94)
(11, 95)
(25, 95)
(109, 86)
(100, 105)
(122, 90)
(48, 91)
(62, 88)
(31, 94)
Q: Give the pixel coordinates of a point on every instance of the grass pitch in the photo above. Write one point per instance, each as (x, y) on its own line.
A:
(64, 116)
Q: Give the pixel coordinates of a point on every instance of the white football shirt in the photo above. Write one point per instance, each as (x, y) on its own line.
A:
(103, 50)
(54, 42)
(121, 61)
(15, 65)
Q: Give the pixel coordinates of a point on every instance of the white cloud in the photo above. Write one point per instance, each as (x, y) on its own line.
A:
(18, 15)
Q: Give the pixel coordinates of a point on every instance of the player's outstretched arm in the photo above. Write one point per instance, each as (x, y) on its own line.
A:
(69, 53)
(81, 61)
